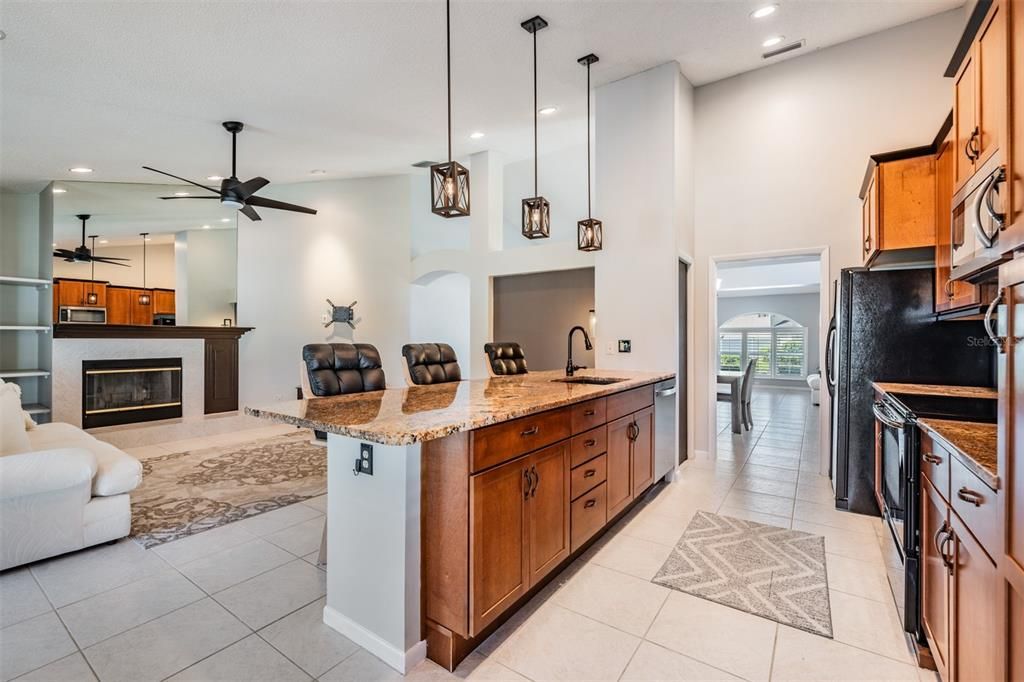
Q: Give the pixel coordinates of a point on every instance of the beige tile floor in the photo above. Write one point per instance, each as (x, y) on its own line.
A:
(244, 601)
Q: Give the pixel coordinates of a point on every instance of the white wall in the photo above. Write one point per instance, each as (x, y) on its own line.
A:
(439, 312)
(159, 266)
(563, 182)
(207, 263)
(355, 249)
(431, 232)
(781, 151)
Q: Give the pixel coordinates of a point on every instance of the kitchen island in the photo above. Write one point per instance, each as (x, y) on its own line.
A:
(451, 505)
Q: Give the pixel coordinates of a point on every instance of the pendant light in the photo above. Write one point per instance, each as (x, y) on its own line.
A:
(536, 209)
(449, 182)
(92, 298)
(589, 235)
(144, 297)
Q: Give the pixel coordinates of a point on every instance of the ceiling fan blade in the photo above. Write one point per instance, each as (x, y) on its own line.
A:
(209, 189)
(63, 253)
(108, 258)
(246, 189)
(250, 213)
(109, 261)
(280, 205)
(190, 197)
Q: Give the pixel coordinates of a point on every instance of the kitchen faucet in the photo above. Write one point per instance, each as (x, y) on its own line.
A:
(570, 368)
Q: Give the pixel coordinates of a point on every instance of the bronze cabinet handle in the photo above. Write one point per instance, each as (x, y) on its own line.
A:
(536, 482)
(527, 484)
(590, 473)
(589, 503)
(588, 413)
(867, 243)
(968, 495)
(947, 560)
(948, 288)
(931, 458)
(532, 431)
(590, 442)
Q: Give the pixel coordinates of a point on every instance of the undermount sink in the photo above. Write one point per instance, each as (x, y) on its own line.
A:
(589, 380)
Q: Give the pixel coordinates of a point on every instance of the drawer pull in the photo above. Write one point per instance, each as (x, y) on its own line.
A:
(931, 458)
(590, 442)
(532, 431)
(590, 473)
(589, 503)
(589, 413)
(968, 495)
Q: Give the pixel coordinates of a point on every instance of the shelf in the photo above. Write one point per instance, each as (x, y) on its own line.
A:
(36, 408)
(23, 373)
(24, 328)
(25, 281)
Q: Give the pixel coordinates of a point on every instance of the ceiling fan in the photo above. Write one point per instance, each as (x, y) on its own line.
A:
(82, 254)
(234, 193)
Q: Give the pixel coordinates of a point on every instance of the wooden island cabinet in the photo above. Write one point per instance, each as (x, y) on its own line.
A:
(505, 506)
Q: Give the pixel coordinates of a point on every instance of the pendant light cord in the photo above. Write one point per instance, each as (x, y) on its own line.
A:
(234, 140)
(589, 215)
(143, 261)
(448, 38)
(92, 263)
(535, 192)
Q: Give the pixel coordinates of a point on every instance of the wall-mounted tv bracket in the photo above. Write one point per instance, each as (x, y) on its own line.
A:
(341, 313)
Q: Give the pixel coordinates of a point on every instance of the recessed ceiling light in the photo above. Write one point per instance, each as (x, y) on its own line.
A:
(104, 241)
(773, 41)
(147, 238)
(181, 194)
(59, 190)
(206, 227)
(476, 135)
(215, 178)
(547, 111)
(317, 171)
(762, 12)
(55, 245)
(80, 169)
(225, 220)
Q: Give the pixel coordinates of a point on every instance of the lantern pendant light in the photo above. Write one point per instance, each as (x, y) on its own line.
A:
(449, 182)
(589, 235)
(536, 209)
(144, 297)
(92, 298)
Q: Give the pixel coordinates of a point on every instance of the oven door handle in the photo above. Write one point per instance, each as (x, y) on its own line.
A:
(882, 415)
(987, 240)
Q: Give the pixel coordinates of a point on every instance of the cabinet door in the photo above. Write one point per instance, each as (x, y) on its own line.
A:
(944, 225)
(101, 294)
(220, 376)
(620, 484)
(990, 54)
(163, 302)
(1013, 236)
(935, 575)
(976, 620)
(141, 313)
(119, 305)
(499, 574)
(643, 450)
(548, 510)
(71, 292)
(964, 122)
(905, 191)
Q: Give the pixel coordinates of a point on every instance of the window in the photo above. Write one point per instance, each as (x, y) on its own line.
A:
(776, 344)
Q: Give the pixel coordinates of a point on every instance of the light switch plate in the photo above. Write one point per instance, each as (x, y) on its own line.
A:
(625, 346)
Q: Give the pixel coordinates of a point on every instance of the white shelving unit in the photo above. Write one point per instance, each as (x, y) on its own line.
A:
(25, 282)
(23, 373)
(24, 328)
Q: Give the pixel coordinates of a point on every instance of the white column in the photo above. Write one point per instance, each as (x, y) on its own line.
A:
(373, 550)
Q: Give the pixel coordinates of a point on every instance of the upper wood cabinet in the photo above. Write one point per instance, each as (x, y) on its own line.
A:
(898, 212)
(1013, 236)
(75, 292)
(163, 301)
(980, 99)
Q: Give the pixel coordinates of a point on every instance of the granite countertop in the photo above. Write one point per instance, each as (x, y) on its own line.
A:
(402, 416)
(973, 443)
(933, 389)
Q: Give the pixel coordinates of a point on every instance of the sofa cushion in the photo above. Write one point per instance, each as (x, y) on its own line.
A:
(116, 471)
(13, 438)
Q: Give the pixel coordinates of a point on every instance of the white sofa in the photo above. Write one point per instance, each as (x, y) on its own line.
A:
(66, 490)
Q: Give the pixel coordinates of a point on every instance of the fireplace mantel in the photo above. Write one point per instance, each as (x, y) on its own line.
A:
(127, 331)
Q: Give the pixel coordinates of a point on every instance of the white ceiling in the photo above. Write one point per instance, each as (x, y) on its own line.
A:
(353, 88)
(120, 211)
(769, 277)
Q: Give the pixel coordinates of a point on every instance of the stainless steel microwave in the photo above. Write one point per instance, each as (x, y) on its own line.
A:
(978, 219)
(78, 315)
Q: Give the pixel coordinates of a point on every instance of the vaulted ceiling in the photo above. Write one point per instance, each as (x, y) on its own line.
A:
(350, 88)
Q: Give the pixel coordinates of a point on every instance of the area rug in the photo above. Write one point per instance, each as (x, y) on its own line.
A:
(188, 492)
(769, 571)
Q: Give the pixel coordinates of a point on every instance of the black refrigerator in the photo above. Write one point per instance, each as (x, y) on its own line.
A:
(884, 328)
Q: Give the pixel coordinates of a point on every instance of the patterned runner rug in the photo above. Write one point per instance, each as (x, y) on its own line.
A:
(188, 492)
(772, 572)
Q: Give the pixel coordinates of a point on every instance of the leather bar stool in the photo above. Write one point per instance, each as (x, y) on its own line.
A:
(430, 363)
(505, 358)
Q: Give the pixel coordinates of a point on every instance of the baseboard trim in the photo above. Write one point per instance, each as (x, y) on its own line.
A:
(402, 661)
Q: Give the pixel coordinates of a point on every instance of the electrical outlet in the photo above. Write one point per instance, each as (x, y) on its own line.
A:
(325, 318)
(625, 346)
(611, 347)
(364, 465)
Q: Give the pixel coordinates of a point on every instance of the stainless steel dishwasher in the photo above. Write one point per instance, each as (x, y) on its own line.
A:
(665, 430)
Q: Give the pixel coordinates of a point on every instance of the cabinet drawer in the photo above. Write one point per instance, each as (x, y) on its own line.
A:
(588, 415)
(975, 504)
(586, 445)
(589, 514)
(621, 404)
(588, 475)
(935, 464)
(493, 445)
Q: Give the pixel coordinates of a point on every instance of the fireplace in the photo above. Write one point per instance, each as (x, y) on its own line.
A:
(130, 391)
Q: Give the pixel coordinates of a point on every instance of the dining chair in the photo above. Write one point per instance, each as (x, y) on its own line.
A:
(746, 391)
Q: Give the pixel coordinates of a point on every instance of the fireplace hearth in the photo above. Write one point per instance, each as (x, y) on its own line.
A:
(130, 391)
